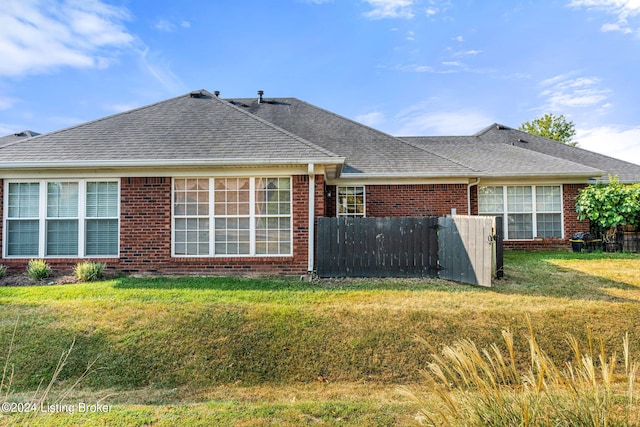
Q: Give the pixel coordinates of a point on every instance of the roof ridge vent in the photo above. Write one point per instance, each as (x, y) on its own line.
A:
(196, 94)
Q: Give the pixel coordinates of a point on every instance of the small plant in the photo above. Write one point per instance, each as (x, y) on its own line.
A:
(89, 271)
(38, 269)
(485, 387)
(3, 271)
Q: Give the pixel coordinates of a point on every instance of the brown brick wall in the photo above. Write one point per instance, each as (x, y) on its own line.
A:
(145, 236)
(408, 200)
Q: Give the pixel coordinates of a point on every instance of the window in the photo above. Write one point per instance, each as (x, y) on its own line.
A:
(61, 219)
(529, 211)
(232, 216)
(351, 201)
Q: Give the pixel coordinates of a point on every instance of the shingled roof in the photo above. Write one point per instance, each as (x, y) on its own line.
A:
(625, 171)
(368, 152)
(494, 159)
(193, 129)
(18, 136)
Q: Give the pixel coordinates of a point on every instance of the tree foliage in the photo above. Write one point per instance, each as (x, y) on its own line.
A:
(553, 127)
(609, 205)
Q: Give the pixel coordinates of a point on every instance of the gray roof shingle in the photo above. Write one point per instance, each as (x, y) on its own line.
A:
(185, 130)
(625, 171)
(18, 136)
(368, 152)
(494, 159)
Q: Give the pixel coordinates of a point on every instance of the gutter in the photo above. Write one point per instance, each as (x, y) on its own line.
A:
(469, 194)
(312, 219)
(168, 162)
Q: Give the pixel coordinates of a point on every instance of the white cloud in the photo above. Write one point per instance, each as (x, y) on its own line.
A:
(565, 91)
(120, 108)
(621, 143)
(161, 71)
(164, 25)
(169, 27)
(623, 10)
(37, 36)
(418, 121)
(373, 119)
(7, 102)
(390, 9)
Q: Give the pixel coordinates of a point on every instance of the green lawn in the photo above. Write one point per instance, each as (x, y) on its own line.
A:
(232, 351)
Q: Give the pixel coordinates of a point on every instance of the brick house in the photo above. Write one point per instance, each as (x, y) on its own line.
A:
(201, 184)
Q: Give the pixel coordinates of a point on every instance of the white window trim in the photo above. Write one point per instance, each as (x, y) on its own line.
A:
(364, 201)
(505, 212)
(252, 219)
(42, 218)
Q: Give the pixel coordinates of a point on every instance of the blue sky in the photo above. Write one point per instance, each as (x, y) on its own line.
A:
(407, 67)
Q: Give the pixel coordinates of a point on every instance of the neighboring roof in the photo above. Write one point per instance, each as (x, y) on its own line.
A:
(18, 136)
(499, 160)
(368, 152)
(625, 171)
(193, 129)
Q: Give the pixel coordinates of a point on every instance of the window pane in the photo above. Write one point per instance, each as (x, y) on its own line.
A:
(549, 225)
(101, 237)
(102, 199)
(232, 236)
(62, 199)
(548, 199)
(62, 237)
(231, 196)
(273, 196)
(24, 200)
(519, 199)
(191, 197)
(22, 237)
(520, 226)
(351, 201)
(273, 236)
(191, 236)
(490, 200)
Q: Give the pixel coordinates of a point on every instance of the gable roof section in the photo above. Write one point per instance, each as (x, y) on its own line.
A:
(369, 153)
(18, 136)
(499, 160)
(625, 171)
(190, 130)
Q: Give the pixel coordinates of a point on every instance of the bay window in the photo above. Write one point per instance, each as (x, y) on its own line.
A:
(528, 211)
(61, 218)
(240, 216)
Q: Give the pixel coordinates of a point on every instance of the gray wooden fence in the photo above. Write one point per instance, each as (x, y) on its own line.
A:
(459, 248)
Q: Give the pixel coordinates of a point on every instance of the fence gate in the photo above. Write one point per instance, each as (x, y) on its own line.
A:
(466, 249)
(457, 248)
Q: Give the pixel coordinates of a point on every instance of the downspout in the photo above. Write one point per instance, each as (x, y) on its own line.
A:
(312, 218)
(469, 195)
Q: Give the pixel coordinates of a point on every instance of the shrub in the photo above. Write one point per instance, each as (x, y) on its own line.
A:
(609, 205)
(3, 271)
(38, 269)
(89, 271)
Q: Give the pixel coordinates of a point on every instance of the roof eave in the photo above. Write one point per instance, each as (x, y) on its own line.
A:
(333, 165)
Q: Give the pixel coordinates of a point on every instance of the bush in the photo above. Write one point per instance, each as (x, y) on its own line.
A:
(3, 271)
(89, 271)
(610, 205)
(38, 269)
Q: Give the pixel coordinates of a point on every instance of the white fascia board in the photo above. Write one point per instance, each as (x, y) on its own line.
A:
(361, 179)
(169, 163)
(164, 170)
